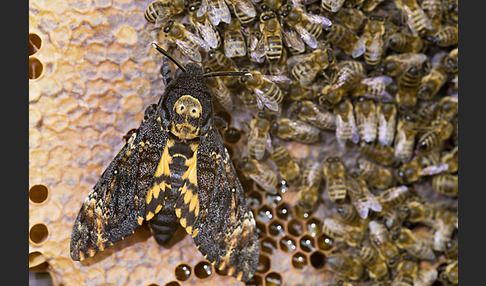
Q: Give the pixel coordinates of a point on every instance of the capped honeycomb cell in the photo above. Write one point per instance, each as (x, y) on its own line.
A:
(203, 270)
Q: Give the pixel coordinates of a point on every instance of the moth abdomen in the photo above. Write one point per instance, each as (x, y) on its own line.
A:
(164, 224)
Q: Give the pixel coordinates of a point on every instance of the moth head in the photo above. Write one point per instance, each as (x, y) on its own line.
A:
(187, 113)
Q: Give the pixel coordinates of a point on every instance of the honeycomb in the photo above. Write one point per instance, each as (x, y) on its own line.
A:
(92, 72)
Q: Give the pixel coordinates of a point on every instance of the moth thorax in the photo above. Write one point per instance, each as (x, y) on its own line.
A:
(187, 115)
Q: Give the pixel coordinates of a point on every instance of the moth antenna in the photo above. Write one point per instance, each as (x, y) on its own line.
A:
(165, 53)
(227, 73)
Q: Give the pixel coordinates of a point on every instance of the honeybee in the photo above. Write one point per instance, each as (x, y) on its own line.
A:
(220, 91)
(351, 235)
(370, 258)
(289, 169)
(374, 88)
(309, 191)
(371, 41)
(160, 12)
(257, 48)
(405, 139)
(265, 90)
(351, 18)
(417, 212)
(405, 43)
(375, 174)
(447, 36)
(308, 26)
(186, 41)
(451, 61)
(417, 20)
(365, 110)
(384, 155)
(451, 250)
(446, 184)
(434, 10)
(406, 271)
(306, 67)
(345, 123)
(243, 9)
(217, 11)
(234, 44)
(321, 118)
(298, 92)
(424, 164)
(380, 240)
(296, 130)
(445, 222)
(450, 275)
(448, 108)
(347, 76)
(217, 61)
(432, 82)
(408, 84)
(345, 265)
(347, 214)
(332, 5)
(259, 138)
(392, 197)
(271, 35)
(425, 277)
(452, 10)
(361, 197)
(341, 36)
(386, 113)
(263, 175)
(416, 246)
(370, 5)
(334, 173)
(205, 29)
(451, 158)
(394, 65)
(436, 136)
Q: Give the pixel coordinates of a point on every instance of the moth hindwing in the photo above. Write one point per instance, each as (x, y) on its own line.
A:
(173, 170)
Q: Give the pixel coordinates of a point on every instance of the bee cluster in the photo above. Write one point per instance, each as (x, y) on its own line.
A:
(352, 107)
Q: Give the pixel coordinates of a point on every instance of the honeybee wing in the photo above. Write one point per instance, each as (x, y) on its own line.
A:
(360, 46)
(384, 95)
(219, 11)
(293, 40)
(161, 20)
(335, 227)
(383, 126)
(259, 178)
(194, 54)
(425, 277)
(202, 8)
(246, 7)
(411, 19)
(308, 38)
(258, 47)
(263, 100)
(318, 19)
(334, 4)
(206, 31)
(278, 79)
(200, 42)
(434, 169)
(293, 60)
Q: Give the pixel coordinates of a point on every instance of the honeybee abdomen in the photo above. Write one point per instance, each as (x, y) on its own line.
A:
(337, 190)
(153, 11)
(342, 37)
(372, 56)
(446, 184)
(300, 69)
(314, 29)
(447, 36)
(274, 47)
(272, 91)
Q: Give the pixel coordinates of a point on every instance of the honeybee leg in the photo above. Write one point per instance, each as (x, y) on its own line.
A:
(165, 71)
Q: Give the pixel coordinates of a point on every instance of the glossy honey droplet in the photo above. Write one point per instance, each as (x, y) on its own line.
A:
(171, 283)
(302, 213)
(265, 214)
(299, 260)
(287, 244)
(307, 243)
(38, 194)
(35, 43)
(313, 227)
(324, 242)
(284, 211)
(182, 272)
(38, 233)
(276, 228)
(203, 270)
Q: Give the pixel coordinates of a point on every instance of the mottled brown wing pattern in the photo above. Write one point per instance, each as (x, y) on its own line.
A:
(116, 205)
(212, 208)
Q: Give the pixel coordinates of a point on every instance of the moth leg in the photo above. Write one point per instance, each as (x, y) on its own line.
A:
(166, 70)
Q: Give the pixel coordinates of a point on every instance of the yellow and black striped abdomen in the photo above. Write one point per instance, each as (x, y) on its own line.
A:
(274, 47)
(153, 11)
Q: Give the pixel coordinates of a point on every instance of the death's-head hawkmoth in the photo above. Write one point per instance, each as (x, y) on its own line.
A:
(173, 170)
